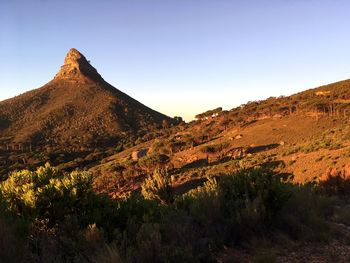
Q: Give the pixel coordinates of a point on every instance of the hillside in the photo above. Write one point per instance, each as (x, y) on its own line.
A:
(267, 181)
(304, 135)
(79, 121)
(76, 110)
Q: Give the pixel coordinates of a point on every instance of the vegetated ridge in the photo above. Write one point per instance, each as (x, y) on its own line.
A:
(304, 135)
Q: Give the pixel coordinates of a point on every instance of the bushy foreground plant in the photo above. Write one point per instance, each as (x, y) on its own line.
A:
(241, 204)
(253, 195)
(49, 194)
(57, 211)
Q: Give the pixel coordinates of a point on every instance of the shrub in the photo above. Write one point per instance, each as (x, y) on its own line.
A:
(335, 182)
(48, 194)
(239, 204)
(203, 202)
(214, 148)
(325, 143)
(251, 199)
(152, 161)
(158, 187)
(107, 254)
(10, 242)
(305, 214)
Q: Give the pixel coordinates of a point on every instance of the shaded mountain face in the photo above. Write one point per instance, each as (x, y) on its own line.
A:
(78, 107)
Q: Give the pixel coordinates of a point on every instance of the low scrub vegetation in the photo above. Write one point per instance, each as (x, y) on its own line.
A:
(56, 217)
(315, 145)
(158, 187)
(215, 148)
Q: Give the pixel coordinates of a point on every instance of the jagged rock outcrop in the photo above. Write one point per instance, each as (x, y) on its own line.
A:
(76, 67)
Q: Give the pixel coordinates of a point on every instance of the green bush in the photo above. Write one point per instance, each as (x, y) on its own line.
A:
(152, 161)
(48, 194)
(203, 202)
(252, 196)
(238, 205)
(158, 187)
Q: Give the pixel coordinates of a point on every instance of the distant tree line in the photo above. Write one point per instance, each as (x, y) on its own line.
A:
(208, 114)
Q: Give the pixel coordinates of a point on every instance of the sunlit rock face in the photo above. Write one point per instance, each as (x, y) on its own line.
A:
(76, 67)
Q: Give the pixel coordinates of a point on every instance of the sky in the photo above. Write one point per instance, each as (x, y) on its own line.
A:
(179, 57)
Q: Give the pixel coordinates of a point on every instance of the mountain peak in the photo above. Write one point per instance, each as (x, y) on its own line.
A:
(73, 55)
(77, 67)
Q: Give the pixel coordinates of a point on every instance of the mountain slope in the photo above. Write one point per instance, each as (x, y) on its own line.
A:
(78, 107)
(304, 135)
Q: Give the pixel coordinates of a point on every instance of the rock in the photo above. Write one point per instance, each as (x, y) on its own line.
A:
(239, 136)
(136, 155)
(76, 68)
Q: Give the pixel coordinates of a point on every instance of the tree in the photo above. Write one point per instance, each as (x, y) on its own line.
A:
(178, 120)
(208, 114)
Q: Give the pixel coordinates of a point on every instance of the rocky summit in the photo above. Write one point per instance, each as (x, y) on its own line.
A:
(77, 67)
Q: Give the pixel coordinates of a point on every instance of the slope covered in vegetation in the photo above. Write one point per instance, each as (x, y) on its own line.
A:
(52, 217)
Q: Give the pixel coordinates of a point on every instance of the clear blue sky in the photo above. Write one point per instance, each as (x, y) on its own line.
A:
(180, 57)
